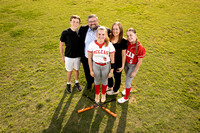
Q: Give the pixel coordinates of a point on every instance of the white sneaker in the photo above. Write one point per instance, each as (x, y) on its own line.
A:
(97, 99)
(108, 88)
(124, 92)
(103, 98)
(111, 92)
(122, 100)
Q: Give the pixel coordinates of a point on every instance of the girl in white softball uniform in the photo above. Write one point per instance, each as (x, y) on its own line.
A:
(101, 61)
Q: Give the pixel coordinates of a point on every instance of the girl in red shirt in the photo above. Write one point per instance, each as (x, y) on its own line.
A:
(134, 54)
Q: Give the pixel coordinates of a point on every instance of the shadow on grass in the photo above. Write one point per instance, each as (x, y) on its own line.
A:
(88, 121)
(111, 119)
(122, 121)
(80, 121)
(56, 122)
(100, 115)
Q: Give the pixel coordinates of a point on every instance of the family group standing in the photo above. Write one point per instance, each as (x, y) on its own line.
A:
(104, 53)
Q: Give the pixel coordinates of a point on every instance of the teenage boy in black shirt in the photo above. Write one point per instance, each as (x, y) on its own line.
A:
(71, 58)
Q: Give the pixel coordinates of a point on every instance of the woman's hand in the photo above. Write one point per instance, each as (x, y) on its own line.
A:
(132, 74)
(110, 75)
(120, 69)
(92, 73)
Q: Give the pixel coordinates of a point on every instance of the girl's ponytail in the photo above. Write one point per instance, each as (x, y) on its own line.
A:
(107, 40)
(136, 41)
(136, 47)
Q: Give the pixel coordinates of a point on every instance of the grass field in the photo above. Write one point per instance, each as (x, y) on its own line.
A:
(166, 96)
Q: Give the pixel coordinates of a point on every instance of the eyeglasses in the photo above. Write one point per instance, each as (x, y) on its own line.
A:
(92, 21)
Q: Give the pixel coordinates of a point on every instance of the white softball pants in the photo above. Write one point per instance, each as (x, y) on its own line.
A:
(101, 73)
(128, 70)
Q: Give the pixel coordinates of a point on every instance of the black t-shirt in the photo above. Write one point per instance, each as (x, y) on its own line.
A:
(71, 40)
(118, 54)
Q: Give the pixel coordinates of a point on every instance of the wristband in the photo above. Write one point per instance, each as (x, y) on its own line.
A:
(112, 65)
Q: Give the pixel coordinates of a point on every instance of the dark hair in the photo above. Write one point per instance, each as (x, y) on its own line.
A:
(107, 40)
(75, 17)
(131, 29)
(136, 41)
(120, 34)
(92, 16)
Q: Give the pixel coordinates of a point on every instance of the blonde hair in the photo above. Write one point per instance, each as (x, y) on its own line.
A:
(107, 40)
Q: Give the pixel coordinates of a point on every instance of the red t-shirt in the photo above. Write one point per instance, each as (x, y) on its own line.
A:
(131, 58)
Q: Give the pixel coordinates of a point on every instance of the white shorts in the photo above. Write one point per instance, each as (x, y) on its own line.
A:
(71, 63)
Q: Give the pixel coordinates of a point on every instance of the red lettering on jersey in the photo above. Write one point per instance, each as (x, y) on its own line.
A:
(100, 52)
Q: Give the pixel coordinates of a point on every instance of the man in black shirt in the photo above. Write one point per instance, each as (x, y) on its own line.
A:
(71, 56)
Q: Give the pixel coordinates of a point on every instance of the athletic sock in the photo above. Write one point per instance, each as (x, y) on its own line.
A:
(128, 90)
(76, 81)
(97, 88)
(104, 87)
(68, 82)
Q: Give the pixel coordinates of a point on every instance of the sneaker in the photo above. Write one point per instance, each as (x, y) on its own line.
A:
(122, 100)
(78, 87)
(97, 98)
(111, 92)
(69, 88)
(124, 92)
(109, 88)
(103, 98)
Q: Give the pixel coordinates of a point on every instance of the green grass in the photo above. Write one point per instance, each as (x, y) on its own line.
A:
(166, 95)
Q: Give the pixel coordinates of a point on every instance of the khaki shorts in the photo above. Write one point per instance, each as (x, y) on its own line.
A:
(71, 63)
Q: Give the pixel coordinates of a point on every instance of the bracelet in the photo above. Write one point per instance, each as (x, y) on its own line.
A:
(111, 73)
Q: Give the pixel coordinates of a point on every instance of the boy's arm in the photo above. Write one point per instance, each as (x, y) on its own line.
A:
(61, 51)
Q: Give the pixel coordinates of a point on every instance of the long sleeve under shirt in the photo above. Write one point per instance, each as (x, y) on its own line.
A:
(90, 37)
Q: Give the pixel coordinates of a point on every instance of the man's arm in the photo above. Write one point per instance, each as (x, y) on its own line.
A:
(82, 34)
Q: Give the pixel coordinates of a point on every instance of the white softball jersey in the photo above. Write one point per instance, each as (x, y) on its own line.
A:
(101, 54)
